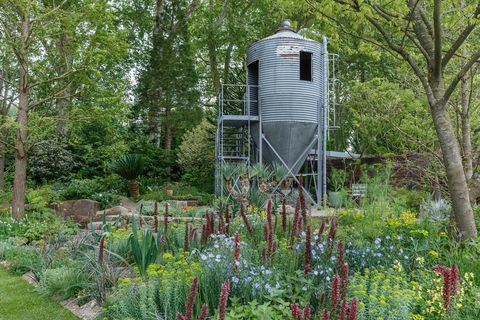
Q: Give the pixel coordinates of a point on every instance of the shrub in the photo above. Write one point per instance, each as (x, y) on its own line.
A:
(89, 188)
(196, 156)
(106, 199)
(63, 282)
(41, 197)
(383, 294)
(37, 225)
(24, 259)
(435, 211)
(50, 161)
(270, 310)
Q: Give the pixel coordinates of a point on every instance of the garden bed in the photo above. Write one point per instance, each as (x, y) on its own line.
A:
(379, 260)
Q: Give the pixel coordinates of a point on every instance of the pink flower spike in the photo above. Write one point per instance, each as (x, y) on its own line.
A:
(325, 315)
(307, 268)
(203, 313)
(236, 251)
(222, 303)
(335, 291)
(192, 294)
(343, 311)
(296, 311)
(307, 312)
(353, 309)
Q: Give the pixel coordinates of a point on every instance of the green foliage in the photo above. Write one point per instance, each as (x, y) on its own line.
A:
(91, 188)
(159, 164)
(41, 197)
(129, 166)
(63, 282)
(144, 248)
(409, 199)
(337, 179)
(24, 259)
(181, 191)
(36, 226)
(387, 118)
(106, 199)
(270, 310)
(384, 294)
(196, 156)
(50, 161)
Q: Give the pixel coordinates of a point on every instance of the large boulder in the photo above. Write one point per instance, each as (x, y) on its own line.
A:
(113, 211)
(82, 210)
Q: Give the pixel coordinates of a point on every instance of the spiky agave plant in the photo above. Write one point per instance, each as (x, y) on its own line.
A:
(130, 167)
(263, 173)
(278, 172)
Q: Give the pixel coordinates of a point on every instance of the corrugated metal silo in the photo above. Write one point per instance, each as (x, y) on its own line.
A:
(292, 74)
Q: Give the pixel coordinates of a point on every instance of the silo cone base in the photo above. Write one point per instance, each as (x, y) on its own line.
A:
(289, 139)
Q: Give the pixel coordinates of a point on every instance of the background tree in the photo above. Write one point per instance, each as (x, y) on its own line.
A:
(29, 28)
(415, 32)
(167, 90)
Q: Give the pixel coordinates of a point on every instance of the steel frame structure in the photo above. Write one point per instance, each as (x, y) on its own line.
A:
(314, 157)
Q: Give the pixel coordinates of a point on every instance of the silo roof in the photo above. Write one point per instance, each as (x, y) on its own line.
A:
(286, 31)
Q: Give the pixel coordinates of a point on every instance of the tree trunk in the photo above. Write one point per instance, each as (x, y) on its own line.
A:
(19, 181)
(3, 140)
(133, 188)
(457, 183)
(466, 131)
(168, 130)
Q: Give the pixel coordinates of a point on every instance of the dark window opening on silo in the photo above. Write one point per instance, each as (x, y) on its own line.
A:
(252, 73)
(305, 66)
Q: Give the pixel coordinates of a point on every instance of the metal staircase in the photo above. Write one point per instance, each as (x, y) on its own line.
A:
(233, 138)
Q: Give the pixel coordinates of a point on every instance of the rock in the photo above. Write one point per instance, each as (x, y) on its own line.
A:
(88, 311)
(192, 203)
(30, 278)
(177, 203)
(97, 225)
(113, 211)
(5, 264)
(82, 210)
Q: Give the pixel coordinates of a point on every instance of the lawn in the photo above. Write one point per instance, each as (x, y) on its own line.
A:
(19, 300)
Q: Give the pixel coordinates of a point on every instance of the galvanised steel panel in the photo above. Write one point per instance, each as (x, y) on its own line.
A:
(289, 106)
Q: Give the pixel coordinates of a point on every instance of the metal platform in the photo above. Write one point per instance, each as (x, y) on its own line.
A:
(237, 120)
